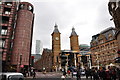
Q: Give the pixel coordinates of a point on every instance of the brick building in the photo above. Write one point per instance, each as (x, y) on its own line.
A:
(74, 45)
(7, 25)
(23, 36)
(56, 48)
(16, 34)
(104, 47)
(45, 61)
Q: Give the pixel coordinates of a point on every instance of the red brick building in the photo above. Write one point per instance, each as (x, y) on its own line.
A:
(16, 34)
(45, 61)
(7, 25)
(23, 35)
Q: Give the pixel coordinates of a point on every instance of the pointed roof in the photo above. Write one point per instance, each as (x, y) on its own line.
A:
(73, 32)
(56, 29)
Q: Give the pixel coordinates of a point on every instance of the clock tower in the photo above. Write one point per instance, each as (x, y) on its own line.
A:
(56, 48)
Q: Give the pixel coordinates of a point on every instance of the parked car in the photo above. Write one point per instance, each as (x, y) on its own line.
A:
(12, 76)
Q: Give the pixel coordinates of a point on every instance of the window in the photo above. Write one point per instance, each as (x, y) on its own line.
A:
(110, 36)
(2, 43)
(5, 20)
(30, 7)
(7, 12)
(0, 2)
(3, 32)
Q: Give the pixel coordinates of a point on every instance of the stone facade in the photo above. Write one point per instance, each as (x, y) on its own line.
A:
(104, 47)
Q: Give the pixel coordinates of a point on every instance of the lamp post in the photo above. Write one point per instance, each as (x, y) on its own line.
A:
(66, 68)
(20, 62)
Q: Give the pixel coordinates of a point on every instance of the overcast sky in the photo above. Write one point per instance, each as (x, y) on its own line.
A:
(88, 17)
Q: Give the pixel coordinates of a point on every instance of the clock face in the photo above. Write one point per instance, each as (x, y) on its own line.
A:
(56, 38)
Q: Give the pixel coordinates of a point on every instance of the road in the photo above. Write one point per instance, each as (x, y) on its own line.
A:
(52, 76)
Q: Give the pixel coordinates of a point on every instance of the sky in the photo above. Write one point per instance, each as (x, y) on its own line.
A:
(88, 17)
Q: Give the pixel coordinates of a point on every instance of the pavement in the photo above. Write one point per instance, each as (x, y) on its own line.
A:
(53, 76)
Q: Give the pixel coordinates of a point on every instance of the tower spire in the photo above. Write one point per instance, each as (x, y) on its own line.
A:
(73, 32)
(56, 29)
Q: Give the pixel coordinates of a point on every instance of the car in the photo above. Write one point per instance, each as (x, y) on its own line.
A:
(82, 72)
(12, 76)
(74, 73)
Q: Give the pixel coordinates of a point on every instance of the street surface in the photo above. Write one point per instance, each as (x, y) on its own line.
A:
(53, 76)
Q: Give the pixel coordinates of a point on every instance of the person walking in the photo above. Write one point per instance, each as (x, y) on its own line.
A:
(34, 74)
(78, 74)
(108, 77)
(102, 74)
(118, 73)
(87, 73)
(114, 74)
(95, 74)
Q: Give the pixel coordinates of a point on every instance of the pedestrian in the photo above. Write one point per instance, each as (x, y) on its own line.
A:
(113, 74)
(34, 74)
(64, 73)
(68, 72)
(78, 74)
(102, 74)
(108, 77)
(118, 73)
(87, 73)
(91, 73)
(95, 74)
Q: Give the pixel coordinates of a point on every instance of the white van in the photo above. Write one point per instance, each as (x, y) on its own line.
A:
(11, 76)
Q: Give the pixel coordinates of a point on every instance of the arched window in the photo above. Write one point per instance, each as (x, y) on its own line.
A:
(110, 36)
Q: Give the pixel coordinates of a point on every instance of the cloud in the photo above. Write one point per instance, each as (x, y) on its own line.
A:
(89, 17)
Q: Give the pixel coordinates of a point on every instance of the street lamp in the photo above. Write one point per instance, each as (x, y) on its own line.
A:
(20, 61)
(67, 62)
